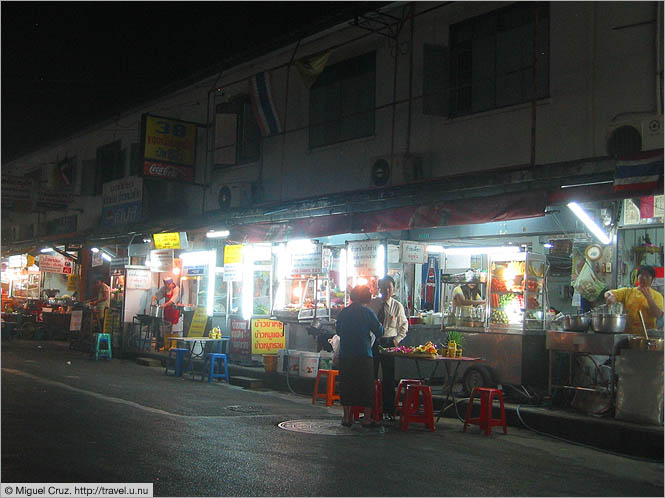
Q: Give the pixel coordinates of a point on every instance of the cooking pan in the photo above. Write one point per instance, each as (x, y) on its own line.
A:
(608, 323)
(576, 323)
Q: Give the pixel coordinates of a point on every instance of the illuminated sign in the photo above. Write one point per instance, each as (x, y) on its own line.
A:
(167, 240)
(169, 148)
(199, 321)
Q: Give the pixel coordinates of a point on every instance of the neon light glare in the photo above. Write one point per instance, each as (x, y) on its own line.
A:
(247, 282)
(46, 249)
(482, 250)
(435, 249)
(106, 256)
(217, 234)
(195, 258)
(210, 298)
(94, 249)
(589, 223)
(381, 261)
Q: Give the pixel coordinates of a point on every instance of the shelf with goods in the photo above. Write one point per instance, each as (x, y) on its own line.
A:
(516, 298)
(305, 297)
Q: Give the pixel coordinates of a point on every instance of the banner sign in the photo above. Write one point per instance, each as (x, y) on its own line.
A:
(169, 148)
(55, 263)
(363, 257)
(121, 201)
(138, 279)
(199, 321)
(412, 252)
(16, 192)
(167, 240)
(96, 259)
(75, 321)
(233, 263)
(161, 260)
(241, 340)
(307, 262)
(189, 271)
(267, 336)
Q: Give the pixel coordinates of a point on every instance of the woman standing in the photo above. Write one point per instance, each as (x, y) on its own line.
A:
(356, 364)
(641, 298)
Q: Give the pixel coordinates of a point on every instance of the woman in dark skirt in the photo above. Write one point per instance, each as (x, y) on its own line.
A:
(356, 365)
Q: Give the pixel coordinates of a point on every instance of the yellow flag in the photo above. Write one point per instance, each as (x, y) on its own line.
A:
(312, 66)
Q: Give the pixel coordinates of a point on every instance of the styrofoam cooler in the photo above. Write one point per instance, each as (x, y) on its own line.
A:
(309, 364)
(294, 362)
(326, 360)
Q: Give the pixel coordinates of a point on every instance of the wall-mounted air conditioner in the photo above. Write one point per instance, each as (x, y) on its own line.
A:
(629, 136)
(233, 195)
(399, 170)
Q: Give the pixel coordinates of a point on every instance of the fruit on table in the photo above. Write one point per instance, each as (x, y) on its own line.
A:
(499, 316)
(428, 348)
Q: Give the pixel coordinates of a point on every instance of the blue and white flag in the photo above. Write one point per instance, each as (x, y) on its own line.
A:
(260, 90)
(640, 171)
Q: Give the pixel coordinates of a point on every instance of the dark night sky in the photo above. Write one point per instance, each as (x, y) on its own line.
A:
(68, 64)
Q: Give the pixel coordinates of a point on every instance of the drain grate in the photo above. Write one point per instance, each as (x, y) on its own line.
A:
(254, 410)
(327, 427)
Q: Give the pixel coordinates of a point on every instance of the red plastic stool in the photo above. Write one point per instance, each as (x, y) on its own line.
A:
(377, 411)
(410, 412)
(329, 395)
(398, 397)
(485, 421)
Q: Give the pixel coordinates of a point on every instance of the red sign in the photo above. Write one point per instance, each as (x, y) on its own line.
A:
(168, 171)
(241, 339)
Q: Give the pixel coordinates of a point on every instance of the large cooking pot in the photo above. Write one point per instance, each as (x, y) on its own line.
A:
(156, 312)
(575, 323)
(608, 323)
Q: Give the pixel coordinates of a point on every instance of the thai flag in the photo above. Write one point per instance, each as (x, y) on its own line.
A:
(260, 90)
(641, 171)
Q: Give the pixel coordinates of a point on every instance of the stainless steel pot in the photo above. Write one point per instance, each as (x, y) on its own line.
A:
(575, 323)
(608, 323)
(156, 312)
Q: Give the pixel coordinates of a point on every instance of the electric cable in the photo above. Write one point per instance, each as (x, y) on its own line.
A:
(602, 450)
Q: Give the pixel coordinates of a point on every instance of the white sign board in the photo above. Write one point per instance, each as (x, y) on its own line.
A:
(138, 279)
(75, 322)
(232, 272)
(161, 260)
(412, 252)
(121, 201)
(309, 262)
(363, 257)
(55, 263)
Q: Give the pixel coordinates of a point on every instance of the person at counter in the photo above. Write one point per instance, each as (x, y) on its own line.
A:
(169, 292)
(467, 294)
(354, 324)
(391, 315)
(641, 298)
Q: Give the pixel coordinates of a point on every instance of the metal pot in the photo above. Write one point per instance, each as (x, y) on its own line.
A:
(576, 323)
(609, 323)
(156, 312)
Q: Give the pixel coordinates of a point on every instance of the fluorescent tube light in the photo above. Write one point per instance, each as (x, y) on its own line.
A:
(210, 298)
(217, 234)
(481, 250)
(589, 223)
(548, 245)
(94, 249)
(106, 256)
(47, 249)
(435, 249)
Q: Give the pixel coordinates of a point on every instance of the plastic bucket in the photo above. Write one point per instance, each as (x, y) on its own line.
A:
(326, 360)
(309, 364)
(270, 362)
(294, 362)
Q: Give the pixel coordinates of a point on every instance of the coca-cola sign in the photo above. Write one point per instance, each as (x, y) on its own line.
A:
(168, 171)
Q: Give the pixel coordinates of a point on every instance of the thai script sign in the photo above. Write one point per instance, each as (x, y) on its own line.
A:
(138, 279)
(55, 263)
(241, 339)
(233, 263)
(169, 240)
(161, 260)
(412, 252)
(122, 201)
(363, 257)
(307, 262)
(267, 336)
(169, 148)
(199, 322)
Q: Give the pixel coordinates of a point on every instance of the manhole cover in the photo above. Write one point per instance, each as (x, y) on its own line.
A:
(245, 409)
(327, 427)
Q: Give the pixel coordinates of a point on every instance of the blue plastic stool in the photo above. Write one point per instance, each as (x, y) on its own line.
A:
(180, 354)
(213, 361)
(103, 346)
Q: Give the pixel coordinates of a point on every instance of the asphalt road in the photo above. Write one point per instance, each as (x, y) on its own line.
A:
(66, 418)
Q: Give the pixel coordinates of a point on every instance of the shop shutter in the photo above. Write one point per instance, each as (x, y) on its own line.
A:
(435, 80)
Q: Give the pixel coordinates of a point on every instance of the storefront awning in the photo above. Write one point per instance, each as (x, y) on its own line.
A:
(503, 207)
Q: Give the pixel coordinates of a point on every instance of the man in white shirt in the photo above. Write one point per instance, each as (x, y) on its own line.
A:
(391, 315)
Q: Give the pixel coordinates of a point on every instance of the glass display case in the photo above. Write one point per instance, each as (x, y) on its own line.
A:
(516, 297)
(305, 298)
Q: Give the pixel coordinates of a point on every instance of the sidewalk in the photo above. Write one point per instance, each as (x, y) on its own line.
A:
(626, 438)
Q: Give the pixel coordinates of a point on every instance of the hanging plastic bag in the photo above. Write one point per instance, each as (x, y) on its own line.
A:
(334, 342)
(588, 284)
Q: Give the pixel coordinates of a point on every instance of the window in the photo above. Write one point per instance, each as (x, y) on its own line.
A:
(110, 164)
(491, 58)
(342, 101)
(237, 135)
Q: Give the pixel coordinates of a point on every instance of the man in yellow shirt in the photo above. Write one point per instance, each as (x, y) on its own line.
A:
(641, 298)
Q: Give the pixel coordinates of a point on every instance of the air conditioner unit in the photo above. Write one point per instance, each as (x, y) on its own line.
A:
(638, 134)
(401, 169)
(233, 195)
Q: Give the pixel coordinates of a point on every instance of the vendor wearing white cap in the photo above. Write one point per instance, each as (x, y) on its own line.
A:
(169, 292)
